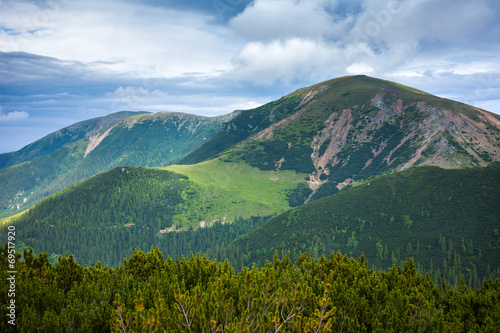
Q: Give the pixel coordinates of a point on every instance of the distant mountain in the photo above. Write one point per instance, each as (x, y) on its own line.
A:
(447, 220)
(97, 145)
(56, 140)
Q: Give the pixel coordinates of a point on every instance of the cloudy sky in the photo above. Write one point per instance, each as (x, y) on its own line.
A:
(62, 61)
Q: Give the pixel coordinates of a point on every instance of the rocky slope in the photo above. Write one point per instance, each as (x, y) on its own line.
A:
(355, 128)
(264, 161)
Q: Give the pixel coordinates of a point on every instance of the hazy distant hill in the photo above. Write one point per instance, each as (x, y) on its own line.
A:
(97, 145)
(56, 140)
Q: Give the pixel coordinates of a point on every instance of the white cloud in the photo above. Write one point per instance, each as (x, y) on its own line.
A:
(449, 21)
(245, 105)
(269, 42)
(296, 39)
(132, 98)
(359, 68)
(121, 54)
(284, 62)
(139, 98)
(128, 37)
(13, 116)
(266, 20)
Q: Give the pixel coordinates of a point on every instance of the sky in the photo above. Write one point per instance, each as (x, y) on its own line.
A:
(63, 61)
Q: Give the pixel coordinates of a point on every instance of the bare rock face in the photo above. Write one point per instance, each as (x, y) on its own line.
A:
(435, 136)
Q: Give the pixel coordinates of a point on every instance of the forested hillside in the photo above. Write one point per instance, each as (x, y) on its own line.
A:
(447, 220)
(107, 216)
(151, 293)
(351, 166)
(114, 212)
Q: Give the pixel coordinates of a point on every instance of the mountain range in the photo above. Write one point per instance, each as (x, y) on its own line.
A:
(162, 178)
(97, 145)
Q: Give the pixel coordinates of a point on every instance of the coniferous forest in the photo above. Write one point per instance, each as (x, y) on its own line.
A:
(446, 220)
(150, 293)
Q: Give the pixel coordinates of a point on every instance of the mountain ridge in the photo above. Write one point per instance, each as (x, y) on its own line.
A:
(61, 137)
(355, 128)
(97, 145)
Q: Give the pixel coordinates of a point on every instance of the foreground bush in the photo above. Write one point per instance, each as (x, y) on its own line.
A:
(149, 293)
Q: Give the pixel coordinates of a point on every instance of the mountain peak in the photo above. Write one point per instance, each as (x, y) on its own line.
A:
(354, 128)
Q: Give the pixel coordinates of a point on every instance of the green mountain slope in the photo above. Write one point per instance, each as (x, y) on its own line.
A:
(355, 128)
(100, 214)
(447, 220)
(244, 124)
(226, 191)
(106, 216)
(338, 132)
(85, 149)
(56, 140)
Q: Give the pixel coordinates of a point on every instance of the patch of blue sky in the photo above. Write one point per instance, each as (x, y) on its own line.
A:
(10, 32)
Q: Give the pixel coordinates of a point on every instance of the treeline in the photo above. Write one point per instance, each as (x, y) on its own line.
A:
(149, 293)
(451, 265)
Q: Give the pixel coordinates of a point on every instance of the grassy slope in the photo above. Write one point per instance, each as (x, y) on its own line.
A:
(112, 213)
(225, 190)
(230, 190)
(9, 219)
